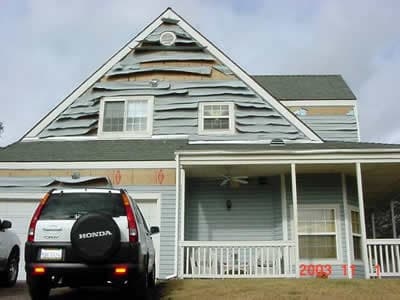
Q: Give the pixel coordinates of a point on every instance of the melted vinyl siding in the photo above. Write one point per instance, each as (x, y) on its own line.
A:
(167, 224)
(333, 128)
(320, 189)
(255, 214)
(176, 100)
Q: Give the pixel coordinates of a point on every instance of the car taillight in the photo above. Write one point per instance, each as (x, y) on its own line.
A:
(132, 227)
(35, 218)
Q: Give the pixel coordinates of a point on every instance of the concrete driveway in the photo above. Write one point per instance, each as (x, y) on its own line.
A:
(20, 292)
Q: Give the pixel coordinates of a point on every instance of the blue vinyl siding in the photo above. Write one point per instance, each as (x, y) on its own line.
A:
(255, 215)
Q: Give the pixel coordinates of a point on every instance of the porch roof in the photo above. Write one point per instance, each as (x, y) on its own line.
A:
(157, 150)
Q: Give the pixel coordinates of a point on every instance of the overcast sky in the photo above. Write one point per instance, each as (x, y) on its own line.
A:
(48, 47)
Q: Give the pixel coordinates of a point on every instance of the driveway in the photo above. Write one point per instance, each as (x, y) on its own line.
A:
(20, 292)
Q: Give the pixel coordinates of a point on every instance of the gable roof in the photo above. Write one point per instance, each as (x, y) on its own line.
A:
(153, 150)
(169, 14)
(306, 87)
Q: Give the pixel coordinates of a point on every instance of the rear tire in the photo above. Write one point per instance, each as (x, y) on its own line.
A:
(9, 276)
(39, 288)
(152, 278)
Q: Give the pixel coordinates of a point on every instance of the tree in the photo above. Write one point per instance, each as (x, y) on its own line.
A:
(1, 127)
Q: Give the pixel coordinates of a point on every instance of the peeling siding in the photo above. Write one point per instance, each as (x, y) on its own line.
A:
(333, 127)
(176, 102)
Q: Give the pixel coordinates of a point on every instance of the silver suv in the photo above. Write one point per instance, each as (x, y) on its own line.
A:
(9, 254)
(83, 237)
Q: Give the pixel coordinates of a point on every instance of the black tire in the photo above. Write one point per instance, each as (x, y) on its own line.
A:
(39, 288)
(95, 237)
(152, 278)
(8, 278)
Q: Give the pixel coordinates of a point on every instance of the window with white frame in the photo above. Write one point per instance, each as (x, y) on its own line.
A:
(356, 232)
(217, 117)
(127, 116)
(317, 230)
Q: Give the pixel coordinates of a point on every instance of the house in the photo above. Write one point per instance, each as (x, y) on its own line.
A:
(247, 176)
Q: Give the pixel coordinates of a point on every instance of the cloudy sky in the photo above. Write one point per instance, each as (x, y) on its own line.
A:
(48, 47)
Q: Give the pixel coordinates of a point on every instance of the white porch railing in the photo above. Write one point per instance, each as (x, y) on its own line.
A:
(218, 259)
(383, 257)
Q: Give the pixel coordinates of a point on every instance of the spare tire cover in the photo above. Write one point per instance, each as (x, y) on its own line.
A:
(95, 237)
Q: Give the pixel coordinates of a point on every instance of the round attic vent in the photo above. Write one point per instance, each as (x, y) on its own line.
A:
(167, 38)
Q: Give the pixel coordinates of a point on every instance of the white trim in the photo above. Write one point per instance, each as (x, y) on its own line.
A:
(346, 225)
(290, 103)
(295, 217)
(126, 99)
(89, 165)
(105, 138)
(284, 208)
(94, 77)
(337, 233)
(231, 119)
(235, 243)
(362, 219)
(169, 13)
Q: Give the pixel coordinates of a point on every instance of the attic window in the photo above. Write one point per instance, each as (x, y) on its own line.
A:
(216, 118)
(167, 38)
(130, 116)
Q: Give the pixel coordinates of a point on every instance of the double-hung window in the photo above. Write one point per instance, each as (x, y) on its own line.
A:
(216, 118)
(130, 116)
(356, 232)
(317, 230)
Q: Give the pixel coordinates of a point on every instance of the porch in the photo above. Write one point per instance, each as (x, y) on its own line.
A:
(275, 247)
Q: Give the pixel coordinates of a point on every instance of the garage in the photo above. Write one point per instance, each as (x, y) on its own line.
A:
(18, 208)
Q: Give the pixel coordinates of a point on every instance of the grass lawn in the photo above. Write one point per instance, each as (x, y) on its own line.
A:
(280, 289)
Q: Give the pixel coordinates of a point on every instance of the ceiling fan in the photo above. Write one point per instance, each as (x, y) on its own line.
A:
(234, 179)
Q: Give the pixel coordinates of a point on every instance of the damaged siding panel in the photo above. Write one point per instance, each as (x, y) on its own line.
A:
(189, 70)
(333, 127)
(66, 132)
(131, 85)
(206, 83)
(167, 56)
(62, 124)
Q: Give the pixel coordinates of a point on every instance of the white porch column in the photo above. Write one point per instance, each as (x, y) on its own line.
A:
(182, 217)
(362, 220)
(393, 219)
(295, 218)
(346, 226)
(177, 202)
(373, 225)
(284, 208)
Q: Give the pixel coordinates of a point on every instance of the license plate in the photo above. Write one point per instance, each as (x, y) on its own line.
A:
(51, 254)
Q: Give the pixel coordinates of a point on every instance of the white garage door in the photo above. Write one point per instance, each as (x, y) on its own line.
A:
(19, 212)
(151, 213)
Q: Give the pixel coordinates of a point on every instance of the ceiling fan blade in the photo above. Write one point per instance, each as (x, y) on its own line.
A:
(241, 177)
(225, 181)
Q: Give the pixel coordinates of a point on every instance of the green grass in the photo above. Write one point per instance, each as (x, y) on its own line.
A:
(280, 289)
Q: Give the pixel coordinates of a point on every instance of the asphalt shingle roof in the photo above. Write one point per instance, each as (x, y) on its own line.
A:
(306, 87)
(146, 150)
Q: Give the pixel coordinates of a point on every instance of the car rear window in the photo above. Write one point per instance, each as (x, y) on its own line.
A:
(73, 205)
